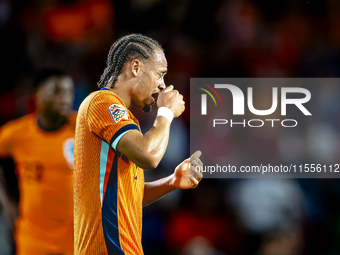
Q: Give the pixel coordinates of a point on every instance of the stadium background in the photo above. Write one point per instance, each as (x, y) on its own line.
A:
(216, 38)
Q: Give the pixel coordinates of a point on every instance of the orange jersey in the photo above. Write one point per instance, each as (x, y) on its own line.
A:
(108, 187)
(44, 168)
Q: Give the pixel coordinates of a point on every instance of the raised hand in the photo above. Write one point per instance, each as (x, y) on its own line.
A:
(188, 174)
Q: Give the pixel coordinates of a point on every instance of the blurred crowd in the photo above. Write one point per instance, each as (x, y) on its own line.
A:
(216, 38)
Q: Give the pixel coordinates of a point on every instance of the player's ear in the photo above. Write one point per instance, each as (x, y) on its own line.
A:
(135, 67)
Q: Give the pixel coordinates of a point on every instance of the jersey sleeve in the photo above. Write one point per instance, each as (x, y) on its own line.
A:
(108, 118)
(7, 140)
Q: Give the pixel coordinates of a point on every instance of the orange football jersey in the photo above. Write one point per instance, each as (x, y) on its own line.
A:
(44, 162)
(108, 187)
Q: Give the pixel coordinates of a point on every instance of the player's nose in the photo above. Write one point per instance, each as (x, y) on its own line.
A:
(161, 86)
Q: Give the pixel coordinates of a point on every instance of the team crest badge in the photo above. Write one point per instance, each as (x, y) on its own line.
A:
(118, 112)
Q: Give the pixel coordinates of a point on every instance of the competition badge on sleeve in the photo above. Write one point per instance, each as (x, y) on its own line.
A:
(118, 112)
(68, 149)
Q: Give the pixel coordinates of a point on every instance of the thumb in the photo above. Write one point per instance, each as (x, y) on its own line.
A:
(184, 164)
(169, 88)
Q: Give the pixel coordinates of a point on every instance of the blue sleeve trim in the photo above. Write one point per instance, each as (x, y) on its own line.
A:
(115, 142)
(121, 132)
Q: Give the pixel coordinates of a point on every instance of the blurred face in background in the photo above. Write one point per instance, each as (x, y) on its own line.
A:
(55, 96)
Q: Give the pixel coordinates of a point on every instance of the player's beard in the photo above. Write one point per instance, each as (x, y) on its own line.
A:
(147, 108)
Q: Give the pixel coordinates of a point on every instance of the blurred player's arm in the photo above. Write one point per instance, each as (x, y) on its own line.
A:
(8, 204)
(147, 150)
(187, 175)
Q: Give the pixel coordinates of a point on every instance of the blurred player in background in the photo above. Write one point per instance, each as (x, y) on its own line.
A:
(111, 151)
(41, 145)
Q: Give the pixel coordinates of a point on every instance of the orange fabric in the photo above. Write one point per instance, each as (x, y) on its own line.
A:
(95, 129)
(44, 169)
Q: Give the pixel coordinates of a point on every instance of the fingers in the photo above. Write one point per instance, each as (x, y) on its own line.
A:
(194, 181)
(196, 155)
(192, 168)
(195, 161)
(196, 166)
(195, 172)
(169, 88)
(199, 162)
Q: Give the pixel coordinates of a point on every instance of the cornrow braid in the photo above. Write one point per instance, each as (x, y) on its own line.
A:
(125, 49)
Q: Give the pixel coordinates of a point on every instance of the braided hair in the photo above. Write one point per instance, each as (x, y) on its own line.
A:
(125, 49)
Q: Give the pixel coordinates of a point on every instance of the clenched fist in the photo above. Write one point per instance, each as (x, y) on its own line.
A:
(171, 99)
